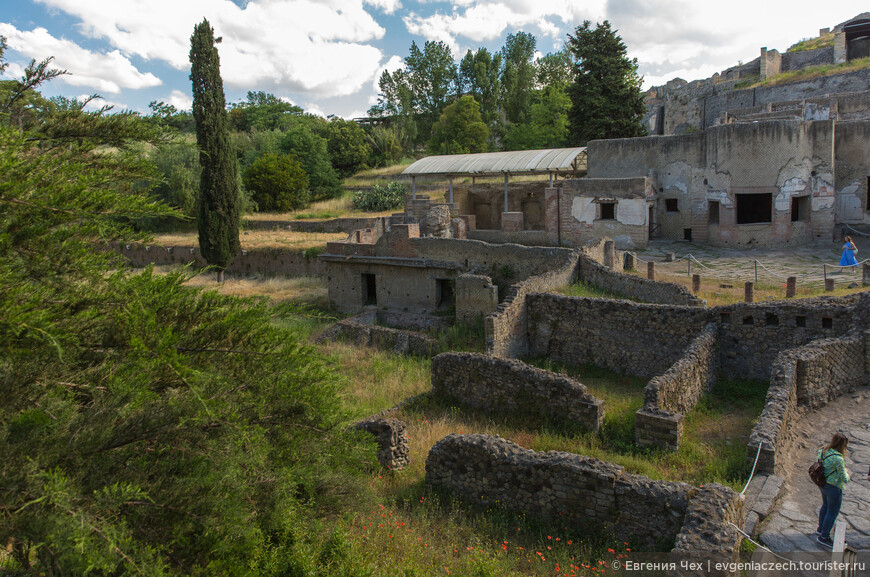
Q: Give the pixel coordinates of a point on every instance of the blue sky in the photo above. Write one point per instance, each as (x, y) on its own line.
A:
(326, 55)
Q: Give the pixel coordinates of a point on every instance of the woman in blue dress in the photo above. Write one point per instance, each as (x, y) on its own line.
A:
(849, 252)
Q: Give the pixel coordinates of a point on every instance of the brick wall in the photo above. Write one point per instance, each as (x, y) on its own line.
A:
(585, 492)
(476, 297)
(506, 386)
(347, 225)
(635, 287)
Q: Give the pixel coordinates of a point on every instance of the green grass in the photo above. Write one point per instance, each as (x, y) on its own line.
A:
(322, 215)
(822, 41)
(811, 72)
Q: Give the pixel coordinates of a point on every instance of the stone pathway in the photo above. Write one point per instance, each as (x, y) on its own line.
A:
(774, 265)
(791, 527)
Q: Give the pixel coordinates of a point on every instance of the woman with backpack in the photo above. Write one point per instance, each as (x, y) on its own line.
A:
(832, 456)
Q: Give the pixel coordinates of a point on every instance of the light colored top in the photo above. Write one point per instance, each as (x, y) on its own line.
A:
(551, 160)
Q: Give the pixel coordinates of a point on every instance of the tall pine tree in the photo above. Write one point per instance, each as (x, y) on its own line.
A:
(606, 101)
(218, 217)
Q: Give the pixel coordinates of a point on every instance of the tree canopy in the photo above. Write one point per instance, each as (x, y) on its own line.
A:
(460, 129)
(218, 217)
(606, 98)
(146, 427)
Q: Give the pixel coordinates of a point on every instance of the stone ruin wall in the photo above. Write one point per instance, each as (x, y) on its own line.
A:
(635, 286)
(268, 261)
(507, 386)
(627, 337)
(363, 331)
(392, 439)
(668, 397)
(588, 493)
(809, 376)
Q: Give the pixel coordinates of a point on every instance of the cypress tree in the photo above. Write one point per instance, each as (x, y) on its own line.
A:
(606, 100)
(218, 217)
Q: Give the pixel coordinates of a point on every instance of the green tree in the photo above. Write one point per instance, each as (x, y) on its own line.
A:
(479, 77)
(218, 217)
(387, 144)
(262, 111)
(460, 129)
(606, 100)
(312, 151)
(347, 146)
(146, 428)
(518, 75)
(178, 165)
(548, 122)
(277, 183)
(555, 69)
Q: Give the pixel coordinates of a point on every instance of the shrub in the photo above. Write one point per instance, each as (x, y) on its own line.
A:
(277, 182)
(379, 198)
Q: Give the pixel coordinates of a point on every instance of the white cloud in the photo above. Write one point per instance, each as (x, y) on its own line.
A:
(98, 103)
(107, 72)
(388, 6)
(484, 21)
(179, 100)
(313, 46)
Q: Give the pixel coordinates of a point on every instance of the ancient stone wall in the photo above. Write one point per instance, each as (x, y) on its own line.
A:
(635, 287)
(624, 336)
(346, 224)
(669, 396)
(805, 58)
(476, 297)
(511, 387)
(585, 492)
(522, 237)
(507, 329)
(709, 526)
(392, 439)
(362, 332)
(808, 375)
(752, 335)
(270, 261)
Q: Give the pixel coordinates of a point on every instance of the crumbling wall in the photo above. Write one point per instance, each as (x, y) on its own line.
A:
(510, 387)
(635, 287)
(476, 297)
(362, 331)
(392, 439)
(624, 336)
(270, 261)
(669, 396)
(809, 375)
(584, 492)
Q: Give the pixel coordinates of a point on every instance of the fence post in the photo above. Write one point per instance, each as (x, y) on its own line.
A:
(756, 272)
(696, 283)
(749, 292)
(790, 287)
(628, 261)
(651, 270)
(866, 279)
(829, 284)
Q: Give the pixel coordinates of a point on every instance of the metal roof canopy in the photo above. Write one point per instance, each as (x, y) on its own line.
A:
(547, 161)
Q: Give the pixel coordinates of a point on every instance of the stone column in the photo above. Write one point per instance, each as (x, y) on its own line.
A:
(839, 47)
(790, 287)
(866, 279)
(651, 270)
(628, 261)
(749, 292)
(609, 254)
(829, 284)
(696, 283)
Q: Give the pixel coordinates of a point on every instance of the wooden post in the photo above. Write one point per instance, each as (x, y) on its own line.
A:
(829, 284)
(749, 292)
(696, 283)
(790, 287)
(651, 270)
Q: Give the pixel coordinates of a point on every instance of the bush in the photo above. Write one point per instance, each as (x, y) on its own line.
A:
(277, 183)
(379, 198)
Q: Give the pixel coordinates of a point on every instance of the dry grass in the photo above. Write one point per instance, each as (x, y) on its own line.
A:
(719, 292)
(256, 239)
(812, 72)
(339, 207)
(310, 290)
(813, 43)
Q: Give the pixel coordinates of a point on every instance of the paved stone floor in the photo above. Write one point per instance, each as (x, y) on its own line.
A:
(791, 527)
(809, 264)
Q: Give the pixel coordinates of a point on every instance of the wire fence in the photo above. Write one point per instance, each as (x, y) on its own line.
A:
(758, 272)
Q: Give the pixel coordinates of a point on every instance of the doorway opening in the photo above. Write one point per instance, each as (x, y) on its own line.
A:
(369, 290)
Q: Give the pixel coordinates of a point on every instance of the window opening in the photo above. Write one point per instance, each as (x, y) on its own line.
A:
(800, 321)
(687, 234)
(444, 293)
(771, 320)
(754, 208)
(800, 208)
(672, 205)
(747, 320)
(827, 323)
(608, 210)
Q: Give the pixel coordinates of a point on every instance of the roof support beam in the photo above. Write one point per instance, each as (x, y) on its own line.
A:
(505, 191)
(414, 188)
(451, 191)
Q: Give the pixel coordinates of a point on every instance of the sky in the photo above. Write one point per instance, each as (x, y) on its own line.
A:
(327, 55)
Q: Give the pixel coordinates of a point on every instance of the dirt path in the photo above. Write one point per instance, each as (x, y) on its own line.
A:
(792, 526)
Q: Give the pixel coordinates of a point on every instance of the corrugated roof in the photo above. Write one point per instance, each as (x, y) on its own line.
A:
(516, 162)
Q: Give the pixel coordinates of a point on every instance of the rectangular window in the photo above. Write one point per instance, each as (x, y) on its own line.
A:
(800, 208)
(754, 208)
(713, 212)
(444, 294)
(672, 205)
(608, 210)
